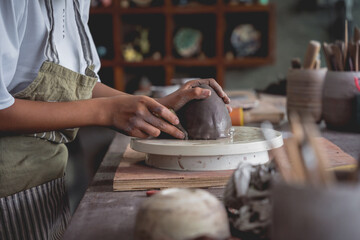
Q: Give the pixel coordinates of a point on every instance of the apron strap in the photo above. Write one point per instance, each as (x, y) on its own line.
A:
(50, 49)
(85, 42)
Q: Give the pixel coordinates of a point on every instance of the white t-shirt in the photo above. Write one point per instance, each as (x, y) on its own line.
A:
(24, 27)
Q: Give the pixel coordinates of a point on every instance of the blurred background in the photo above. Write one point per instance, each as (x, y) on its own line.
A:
(243, 44)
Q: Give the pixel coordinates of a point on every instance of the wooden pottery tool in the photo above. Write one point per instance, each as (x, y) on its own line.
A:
(356, 34)
(245, 144)
(312, 52)
(338, 56)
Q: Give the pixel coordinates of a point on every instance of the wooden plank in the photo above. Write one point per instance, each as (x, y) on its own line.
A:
(133, 174)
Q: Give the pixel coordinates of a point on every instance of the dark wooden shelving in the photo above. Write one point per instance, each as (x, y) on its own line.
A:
(148, 10)
(247, 8)
(247, 62)
(216, 24)
(192, 9)
(145, 62)
(107, 63)
(101, 10)
(189, 62)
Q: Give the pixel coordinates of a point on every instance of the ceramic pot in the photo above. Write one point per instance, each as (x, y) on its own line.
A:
(339, 101)
(305, 212)
(304, 91)
(181, 214)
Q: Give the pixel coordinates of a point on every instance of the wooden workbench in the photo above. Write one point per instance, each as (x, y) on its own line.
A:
(104, 214)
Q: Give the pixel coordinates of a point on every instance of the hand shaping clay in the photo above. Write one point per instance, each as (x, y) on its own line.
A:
(205, 119)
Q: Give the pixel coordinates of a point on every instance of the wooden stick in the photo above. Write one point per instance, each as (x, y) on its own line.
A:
(295, 156)
(346, 42)
(356, 34)
(298, 170)
(338, 57)
(327, 177)
(352, 56)
(327, 54)
(356, 56)
(317, 64)
(312, 52)
(284, 167)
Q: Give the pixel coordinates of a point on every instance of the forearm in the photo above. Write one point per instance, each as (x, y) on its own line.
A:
(101, 90)
(26, 116)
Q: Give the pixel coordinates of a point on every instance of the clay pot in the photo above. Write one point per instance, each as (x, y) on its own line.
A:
(305, 212)
(304, 91)
(339, 101)
(205, 119)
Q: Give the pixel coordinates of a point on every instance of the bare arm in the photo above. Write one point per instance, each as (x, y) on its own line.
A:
(101, 90)
(132, 115)
(137, 116)
(34, 116)
(26, 116)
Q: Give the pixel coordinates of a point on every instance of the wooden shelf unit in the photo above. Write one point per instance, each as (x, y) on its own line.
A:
(221, 12)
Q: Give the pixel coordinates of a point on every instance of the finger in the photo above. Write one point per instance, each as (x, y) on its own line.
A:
(162, 112)
(149, 129)
(189, 94)
(218, 89)
(162, 125)
(229, 108)
(138, 133)
(212, 83)
(139, 127)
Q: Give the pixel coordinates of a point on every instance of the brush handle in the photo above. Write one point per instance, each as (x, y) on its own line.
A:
(312, 52)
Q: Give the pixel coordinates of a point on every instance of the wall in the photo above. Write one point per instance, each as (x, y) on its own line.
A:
(294, 30)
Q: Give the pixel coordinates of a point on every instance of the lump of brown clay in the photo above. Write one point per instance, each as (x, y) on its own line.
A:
(205, 119)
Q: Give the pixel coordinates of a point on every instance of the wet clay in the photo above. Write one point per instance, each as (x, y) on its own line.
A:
(205, 119)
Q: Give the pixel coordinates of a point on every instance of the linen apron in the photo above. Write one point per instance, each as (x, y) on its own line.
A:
(33, 200)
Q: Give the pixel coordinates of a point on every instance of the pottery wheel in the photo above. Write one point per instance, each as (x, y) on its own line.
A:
(246, 144)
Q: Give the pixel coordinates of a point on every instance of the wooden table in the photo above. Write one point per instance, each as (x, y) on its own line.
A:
(104, 214)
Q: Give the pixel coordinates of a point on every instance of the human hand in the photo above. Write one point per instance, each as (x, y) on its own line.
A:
(190, 91)
(141, 116)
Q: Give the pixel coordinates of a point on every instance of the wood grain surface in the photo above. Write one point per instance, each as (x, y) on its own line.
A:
(133, 174)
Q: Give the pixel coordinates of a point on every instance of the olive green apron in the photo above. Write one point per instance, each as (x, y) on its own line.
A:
(27, 161)
(33, 201)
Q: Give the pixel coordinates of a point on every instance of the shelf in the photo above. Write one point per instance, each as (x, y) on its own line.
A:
(248, 62)
(107, 63)
(160, 22)
(101, 10)
(190, 62)
(240, 62)
(193, 10)
(145, 10)
(248, 8)
(197, 9)
(146, 62)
